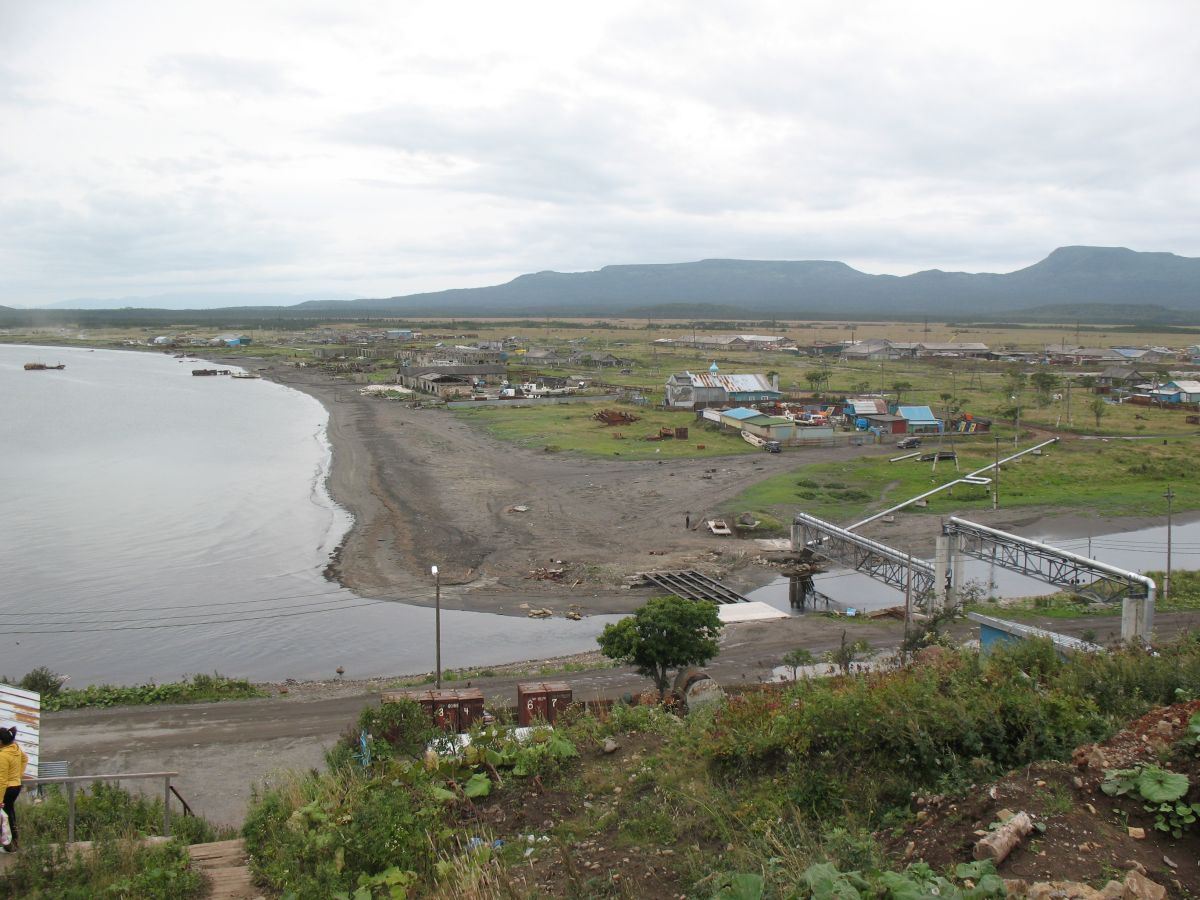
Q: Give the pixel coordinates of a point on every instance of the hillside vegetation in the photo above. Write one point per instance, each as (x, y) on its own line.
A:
(776, 794)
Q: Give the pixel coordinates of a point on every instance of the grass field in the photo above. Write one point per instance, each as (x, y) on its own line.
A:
(570, 428)
(1105, 477)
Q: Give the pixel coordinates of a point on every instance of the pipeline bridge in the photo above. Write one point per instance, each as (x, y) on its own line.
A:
(938, 583)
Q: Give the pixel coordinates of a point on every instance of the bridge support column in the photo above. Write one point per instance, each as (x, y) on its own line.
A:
(957, 557)
(941, 573)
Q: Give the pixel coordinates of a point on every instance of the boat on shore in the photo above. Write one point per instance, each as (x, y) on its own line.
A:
(41, 367)
(210, 371)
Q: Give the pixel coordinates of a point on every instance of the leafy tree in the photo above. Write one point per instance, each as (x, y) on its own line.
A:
(816, 378)
(862, 387)
(900, 387)
(796, 659)
(847, 654)
(1099, 409)
(1045, 384)
(667, 633)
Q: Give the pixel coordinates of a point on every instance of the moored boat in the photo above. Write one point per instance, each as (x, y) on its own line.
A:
(39, 367)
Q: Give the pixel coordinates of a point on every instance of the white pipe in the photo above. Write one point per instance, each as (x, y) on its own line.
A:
(965, 479)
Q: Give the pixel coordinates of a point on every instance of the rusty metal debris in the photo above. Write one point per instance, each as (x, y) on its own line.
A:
(615, 417)
(541, 573)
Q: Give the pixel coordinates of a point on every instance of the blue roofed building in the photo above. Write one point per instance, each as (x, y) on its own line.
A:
(919, 419)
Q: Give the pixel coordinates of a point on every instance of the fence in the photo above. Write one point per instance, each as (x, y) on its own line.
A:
(72, 780)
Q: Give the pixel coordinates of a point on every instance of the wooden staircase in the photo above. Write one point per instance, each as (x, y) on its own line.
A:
(225, 865)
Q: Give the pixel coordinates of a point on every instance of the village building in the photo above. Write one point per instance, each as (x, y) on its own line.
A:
(734, 342)
(875, 348)
(1177, 392)
(1121, 377)
(972, 349)
(694, 390)
(919, 420)
(445, 381)
(400, 334)
(455, 356)
(230, 340)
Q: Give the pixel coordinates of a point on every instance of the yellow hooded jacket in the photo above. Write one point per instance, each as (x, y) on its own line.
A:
(12, 765)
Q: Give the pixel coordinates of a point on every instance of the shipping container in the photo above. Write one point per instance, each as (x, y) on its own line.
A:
(541, 701)
(454, 711)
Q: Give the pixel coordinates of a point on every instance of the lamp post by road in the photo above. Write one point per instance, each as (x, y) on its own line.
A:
(996, 477)
(1169, 495)
(437, 624)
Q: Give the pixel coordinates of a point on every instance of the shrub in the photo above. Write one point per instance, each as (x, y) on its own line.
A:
(106, 811)
(196, 689)
(44, 681)
(315, 835)
(114, 868)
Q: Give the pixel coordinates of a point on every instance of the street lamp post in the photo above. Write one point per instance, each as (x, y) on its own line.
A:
(437, 624)
(1169, 495)
(996, 477)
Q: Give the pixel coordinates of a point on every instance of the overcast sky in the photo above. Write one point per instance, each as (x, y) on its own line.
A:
(373, 149)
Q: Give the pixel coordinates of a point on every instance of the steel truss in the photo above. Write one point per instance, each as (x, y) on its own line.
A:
(1049, 564)
(856, 552)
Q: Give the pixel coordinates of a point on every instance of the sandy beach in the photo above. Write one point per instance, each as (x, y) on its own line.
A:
(426, 489)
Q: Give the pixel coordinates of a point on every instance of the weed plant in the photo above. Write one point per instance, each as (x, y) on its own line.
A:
(105, 811)
(196, 689)
(116, 867)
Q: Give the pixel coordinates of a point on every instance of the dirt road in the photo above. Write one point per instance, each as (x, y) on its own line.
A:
(222, 749)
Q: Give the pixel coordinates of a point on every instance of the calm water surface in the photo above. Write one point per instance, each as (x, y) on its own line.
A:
(154, 524)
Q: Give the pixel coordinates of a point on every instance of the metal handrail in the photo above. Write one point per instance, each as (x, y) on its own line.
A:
(72, 780)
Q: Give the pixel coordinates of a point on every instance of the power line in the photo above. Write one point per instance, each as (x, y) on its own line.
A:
(215, 622)
(186, 615)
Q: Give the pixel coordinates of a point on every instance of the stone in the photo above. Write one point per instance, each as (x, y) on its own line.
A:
(611, 746)
(1139, 887)
(1114, 890)
(1138, 834)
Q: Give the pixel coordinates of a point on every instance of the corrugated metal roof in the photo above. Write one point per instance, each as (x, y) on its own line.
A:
(916, 413)
(731, 383)
(868, 407)
(740, 413)
(1189, 387)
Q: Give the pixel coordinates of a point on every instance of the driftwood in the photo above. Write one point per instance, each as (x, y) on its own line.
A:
(1001, 842)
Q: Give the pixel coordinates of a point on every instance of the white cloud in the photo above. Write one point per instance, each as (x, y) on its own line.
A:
(380, 150)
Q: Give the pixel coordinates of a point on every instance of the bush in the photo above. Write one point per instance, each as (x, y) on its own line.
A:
(316, 835)
(44, 681)
(115, 868)
(107, 812)
(196, 689)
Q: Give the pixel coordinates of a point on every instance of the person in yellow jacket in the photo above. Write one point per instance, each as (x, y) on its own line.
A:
(12, 769)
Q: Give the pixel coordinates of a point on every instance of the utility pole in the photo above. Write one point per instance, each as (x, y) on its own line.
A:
(437, 623)
(1169, 495)
(1070, 421)
(907, 600)
(996, 480)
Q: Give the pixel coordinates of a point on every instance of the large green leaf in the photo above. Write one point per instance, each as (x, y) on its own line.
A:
(739, 886)
(1160, 786)
(478, 785)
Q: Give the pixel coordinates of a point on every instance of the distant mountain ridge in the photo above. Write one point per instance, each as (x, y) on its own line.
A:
(1068, 277)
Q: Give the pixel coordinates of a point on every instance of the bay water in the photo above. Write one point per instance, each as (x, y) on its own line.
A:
(155, 524)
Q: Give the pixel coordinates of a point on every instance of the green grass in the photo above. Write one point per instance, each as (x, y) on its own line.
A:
(571, 428)
(1108, 478)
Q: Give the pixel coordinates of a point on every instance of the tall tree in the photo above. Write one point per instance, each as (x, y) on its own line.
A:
(1099, 409)
(667, 633)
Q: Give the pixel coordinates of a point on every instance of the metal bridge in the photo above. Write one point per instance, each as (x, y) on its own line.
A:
(854, 551)
(960, 539)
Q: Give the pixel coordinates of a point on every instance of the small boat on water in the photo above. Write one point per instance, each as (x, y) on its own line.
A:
(245, 375)
(210, 371)
(40, 367)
